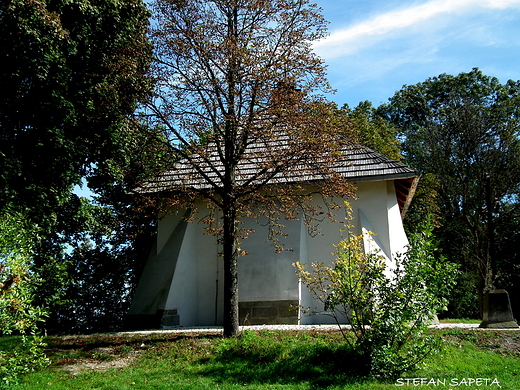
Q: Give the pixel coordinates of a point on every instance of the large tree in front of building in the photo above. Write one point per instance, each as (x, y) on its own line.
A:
(235, 84)
(463, 133)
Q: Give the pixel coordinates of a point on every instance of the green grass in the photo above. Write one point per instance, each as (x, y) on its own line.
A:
(263, 360)
(460, 321)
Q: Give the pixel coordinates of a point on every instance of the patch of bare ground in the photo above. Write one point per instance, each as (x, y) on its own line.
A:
(503, 342)
(76, 354)
(109, 360)
(101, 352)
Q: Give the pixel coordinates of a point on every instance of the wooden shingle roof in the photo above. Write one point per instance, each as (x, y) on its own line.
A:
(364, 164)
(357, 163)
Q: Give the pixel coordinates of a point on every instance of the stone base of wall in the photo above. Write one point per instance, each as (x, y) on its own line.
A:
(169, 318)
(161, 319)
(284, 312)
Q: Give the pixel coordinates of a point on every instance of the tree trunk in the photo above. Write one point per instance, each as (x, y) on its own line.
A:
(230, 272)
(491, 232)
(229, 239)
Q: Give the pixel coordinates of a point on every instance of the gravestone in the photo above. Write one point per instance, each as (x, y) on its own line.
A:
(497, 311)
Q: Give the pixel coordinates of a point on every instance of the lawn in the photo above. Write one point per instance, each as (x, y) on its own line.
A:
(470, 359)
(460, 321)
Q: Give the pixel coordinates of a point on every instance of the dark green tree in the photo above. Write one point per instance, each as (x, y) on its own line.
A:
(73, 73)
(106, 249)
(463, 131)
(108, 238)
(371, 129)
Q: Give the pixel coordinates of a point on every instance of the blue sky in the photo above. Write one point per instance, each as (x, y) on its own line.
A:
(377, 46)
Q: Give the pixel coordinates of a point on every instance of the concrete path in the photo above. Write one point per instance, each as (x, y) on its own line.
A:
(218, 329)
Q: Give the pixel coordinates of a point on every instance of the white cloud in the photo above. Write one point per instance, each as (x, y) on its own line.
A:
(348, 40)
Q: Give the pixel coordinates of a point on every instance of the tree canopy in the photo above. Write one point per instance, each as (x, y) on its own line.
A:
(463, 132)
(73, 70)
(371, 129)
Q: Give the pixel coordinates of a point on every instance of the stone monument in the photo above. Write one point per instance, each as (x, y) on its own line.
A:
(497, 311)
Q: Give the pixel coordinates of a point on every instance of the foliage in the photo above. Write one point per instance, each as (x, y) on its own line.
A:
(104, 241)
(425, 205)
(104, 258)
(75, 71)
(372, 129)
(507, 229)
(18, 314)
(92, 261)
(463, 132)
(235, 86)
(389, 308)
(463, 300)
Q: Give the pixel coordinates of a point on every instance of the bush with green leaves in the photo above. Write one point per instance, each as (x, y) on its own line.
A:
(389, 310)
(18, 315)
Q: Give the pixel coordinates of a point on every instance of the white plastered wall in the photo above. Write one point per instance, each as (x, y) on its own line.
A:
(264, 275)
(196, 289)
(153, 288)
(376, 210)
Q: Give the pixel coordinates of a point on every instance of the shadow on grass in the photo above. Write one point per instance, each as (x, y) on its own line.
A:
(266, 359)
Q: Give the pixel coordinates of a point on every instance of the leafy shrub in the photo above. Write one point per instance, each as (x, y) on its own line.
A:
(389, 312)
(18, 315)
